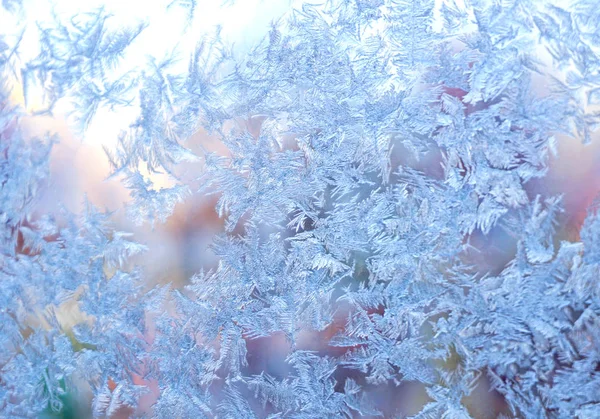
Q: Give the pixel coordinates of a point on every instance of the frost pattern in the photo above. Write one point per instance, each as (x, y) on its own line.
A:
(334, 228)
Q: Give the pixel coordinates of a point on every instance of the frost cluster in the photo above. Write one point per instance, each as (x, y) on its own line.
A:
(399, 141)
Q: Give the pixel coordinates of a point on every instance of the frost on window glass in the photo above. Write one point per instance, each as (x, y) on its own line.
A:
(392, 244)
